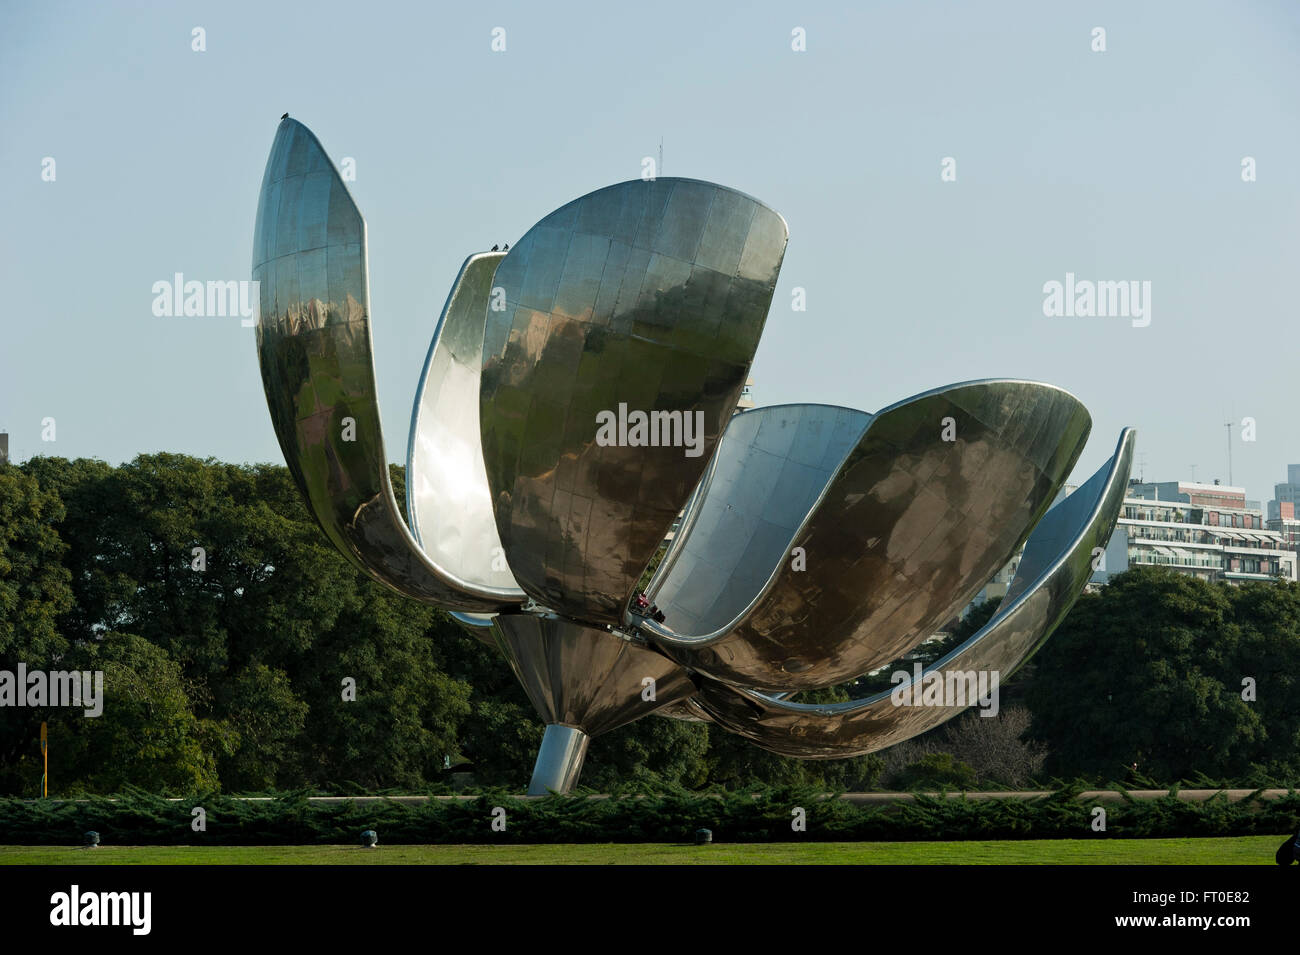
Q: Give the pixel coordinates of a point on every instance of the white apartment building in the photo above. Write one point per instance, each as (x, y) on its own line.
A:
(1206, 530)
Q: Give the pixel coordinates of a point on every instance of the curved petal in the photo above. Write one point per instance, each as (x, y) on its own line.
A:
(587, 678)
(898, 520)
(313, 344)
(447, 494)
(641, 297)
(769, 473)
(1056, 565)
(478, 626)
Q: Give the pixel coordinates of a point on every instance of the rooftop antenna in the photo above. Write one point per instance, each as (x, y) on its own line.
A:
(661, 156)
(1193, 467)
(1228, 425)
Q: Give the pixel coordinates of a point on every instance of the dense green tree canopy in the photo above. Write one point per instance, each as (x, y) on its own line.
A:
(242, 652)
(1152, 672)
(34, 592)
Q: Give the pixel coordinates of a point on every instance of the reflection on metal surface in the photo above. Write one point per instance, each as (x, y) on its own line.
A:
(1056, 564)
(769, 472)
(686, 710)
(313, 342)
(559, 761)
(817, 542)
(446, 485)
(896, 529)
(641, 297)
(478, 626)
(584, 677)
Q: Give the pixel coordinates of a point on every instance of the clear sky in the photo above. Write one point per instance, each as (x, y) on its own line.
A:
(1116, 165)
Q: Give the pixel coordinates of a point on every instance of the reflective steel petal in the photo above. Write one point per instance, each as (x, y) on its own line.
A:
(638, 298)
(313, 344)
(584, 677)
(1056, 565)
(447, 494)
(769, 473)
(688, 711)
(897, 527)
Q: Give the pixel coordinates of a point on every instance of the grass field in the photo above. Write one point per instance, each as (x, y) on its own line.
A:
(1249, 850)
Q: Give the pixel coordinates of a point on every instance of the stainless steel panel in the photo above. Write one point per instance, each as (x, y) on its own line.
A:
(616, 299)
(478, 626)
(447, 497)
(899, 528)
(1057, 564)
(770, 469)
(559, 760)
(686, 710)
(584, 677)
(313, 343)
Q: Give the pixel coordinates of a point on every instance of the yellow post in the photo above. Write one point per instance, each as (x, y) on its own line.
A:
(45, 756)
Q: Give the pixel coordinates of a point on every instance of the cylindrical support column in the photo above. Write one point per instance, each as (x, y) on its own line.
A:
(559, 761)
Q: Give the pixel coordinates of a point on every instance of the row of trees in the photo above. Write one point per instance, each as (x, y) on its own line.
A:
(227, 625)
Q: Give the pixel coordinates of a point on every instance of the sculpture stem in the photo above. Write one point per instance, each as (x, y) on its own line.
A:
(559, 760)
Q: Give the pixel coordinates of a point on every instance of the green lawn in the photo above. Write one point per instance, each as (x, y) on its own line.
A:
(1248, 850)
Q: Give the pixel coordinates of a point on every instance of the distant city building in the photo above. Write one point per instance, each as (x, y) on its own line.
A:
(1205, 530)
(1216, 495)
(1288, 525)
(997, 587)
(746, 396)
(1288, 493)
(1284, 509)
(4, 447)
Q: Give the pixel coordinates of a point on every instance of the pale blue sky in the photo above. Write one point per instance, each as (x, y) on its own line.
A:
(1115, 165)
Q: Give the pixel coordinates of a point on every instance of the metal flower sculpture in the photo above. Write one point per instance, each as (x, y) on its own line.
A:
(579, 393)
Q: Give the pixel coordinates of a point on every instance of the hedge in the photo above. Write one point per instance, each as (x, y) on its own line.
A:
(755, 815)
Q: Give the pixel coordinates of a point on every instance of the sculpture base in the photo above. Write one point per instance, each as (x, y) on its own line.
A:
(559, 761)
(583, 681)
